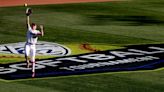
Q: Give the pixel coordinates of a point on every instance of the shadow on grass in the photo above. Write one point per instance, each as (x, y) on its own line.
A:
(123, 20)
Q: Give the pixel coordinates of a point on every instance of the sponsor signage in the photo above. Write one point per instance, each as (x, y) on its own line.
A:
(43, 48)
(130, 58)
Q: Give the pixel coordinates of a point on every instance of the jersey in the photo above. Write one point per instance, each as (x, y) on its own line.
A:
(32, 36)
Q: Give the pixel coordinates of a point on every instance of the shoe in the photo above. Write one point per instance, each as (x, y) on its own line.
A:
(33, 74)
(28, 65)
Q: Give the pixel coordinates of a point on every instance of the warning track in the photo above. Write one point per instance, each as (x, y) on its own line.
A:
(5, 3)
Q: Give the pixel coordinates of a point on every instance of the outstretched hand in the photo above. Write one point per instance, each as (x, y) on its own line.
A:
(42, 30)
(41, 26)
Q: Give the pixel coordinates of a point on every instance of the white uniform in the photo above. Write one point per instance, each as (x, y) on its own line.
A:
(30, 48)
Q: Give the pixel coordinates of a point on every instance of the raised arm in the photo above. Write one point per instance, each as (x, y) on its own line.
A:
(28, 21)
(42, 30)
(28, 13)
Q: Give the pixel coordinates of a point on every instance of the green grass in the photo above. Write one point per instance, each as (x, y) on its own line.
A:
(125, 82)
(112, 23)
(108, 23)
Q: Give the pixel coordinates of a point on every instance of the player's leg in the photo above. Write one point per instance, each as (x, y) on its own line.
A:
(33, 53)
(27, 52)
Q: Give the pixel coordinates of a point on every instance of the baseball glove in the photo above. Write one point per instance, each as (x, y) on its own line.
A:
(28, 11)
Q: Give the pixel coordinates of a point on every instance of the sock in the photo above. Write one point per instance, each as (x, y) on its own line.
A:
(33, 66)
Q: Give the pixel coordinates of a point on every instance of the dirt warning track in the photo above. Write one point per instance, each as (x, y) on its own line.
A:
(5, 3)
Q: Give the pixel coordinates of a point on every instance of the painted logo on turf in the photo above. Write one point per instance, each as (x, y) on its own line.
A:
(130, 58)
(42, 48)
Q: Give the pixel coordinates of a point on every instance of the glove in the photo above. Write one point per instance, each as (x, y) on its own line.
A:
(28, 11)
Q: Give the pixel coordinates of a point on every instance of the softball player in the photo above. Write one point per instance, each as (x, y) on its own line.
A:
(32, 37)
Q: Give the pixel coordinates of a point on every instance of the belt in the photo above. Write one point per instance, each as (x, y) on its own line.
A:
(28, 43)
